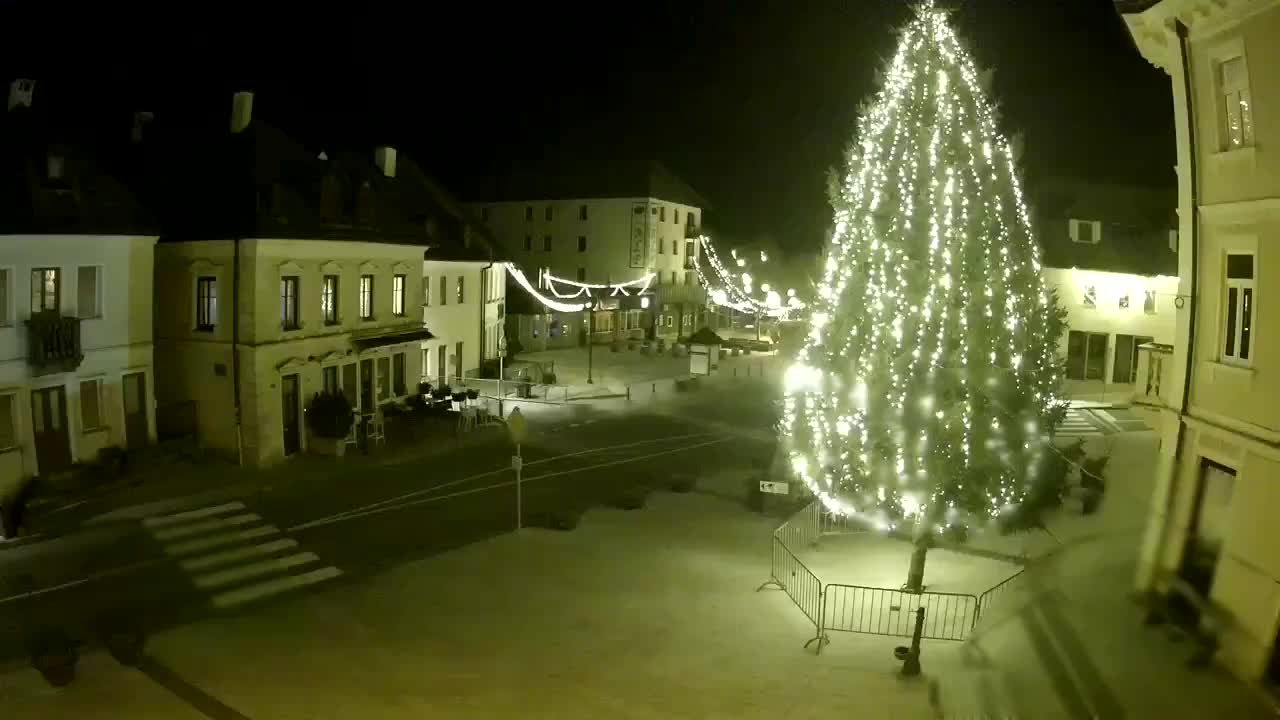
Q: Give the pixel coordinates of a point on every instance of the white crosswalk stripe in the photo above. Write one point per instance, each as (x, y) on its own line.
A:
(235, 555)
(1078, 423)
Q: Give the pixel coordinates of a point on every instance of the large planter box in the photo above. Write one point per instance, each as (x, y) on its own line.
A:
(333, 447)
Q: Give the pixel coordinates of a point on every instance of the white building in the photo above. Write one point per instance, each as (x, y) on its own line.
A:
(463, 305)
(289, 271)
(75, 307)
(602, 227)
(1110, 252)
(1212, 541)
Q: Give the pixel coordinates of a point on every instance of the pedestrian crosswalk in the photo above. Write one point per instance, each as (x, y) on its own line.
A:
(234, 555)
(1079, 423)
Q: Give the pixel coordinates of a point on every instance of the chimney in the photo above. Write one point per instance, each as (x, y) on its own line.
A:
(20, 92)
(386, 159)
(241, 111)
(140, 122)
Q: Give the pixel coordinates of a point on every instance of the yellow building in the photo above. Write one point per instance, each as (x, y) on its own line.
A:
(1213, 532)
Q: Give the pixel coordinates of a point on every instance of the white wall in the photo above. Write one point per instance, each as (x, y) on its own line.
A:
(1107, 316)
(451, 321)
(116, 342)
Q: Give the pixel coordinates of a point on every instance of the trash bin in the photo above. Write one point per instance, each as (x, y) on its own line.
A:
(525, 390)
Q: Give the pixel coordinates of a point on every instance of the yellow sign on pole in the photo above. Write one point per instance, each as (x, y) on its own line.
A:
(517, 426)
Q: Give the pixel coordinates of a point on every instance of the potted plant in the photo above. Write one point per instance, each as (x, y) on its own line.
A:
(473, 394)
(329, 416)
(662, 345)
(424, 389)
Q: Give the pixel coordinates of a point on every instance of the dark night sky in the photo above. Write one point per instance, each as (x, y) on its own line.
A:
(749, 101)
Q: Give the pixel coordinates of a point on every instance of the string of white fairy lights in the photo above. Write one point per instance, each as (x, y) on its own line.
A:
(733, 289)
(586, 291)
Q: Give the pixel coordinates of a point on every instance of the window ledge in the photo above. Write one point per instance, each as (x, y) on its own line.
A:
(1229, 370)
(1242, 155)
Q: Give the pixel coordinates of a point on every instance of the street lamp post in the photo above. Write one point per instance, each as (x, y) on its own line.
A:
(591, 331)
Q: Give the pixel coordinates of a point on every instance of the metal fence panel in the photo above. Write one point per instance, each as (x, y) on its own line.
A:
(879, 611)
(798, 582)
(997, 596)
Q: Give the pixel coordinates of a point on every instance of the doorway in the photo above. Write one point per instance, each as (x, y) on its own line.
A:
(1210, 522)
(1086, 355)
(366, 386)
(290, 413)
(1125, 368)
(442, 365)
(49, 425)
(136, 432)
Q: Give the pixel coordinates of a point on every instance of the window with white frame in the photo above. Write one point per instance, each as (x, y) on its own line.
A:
(46, 289)
(91, 405)
(88, 291)
(1090, 298)
(1237, 322)
(1085, 231)
(206, 303)
(1236, 113)
(329, 299)
(397, 295)
(5, 303)
(289, 302)
(461, 290)
(1149, 302)
(444, 290)
(426, 291)
(8, 426)
(366, 297)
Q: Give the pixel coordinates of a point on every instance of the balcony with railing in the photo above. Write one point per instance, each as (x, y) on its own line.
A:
(1154, 382)
(53, 343)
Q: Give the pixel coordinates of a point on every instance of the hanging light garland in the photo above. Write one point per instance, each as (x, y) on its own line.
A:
(734, 290)
(590, 292)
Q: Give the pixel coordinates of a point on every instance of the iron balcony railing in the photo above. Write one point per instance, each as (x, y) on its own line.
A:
(53, 343)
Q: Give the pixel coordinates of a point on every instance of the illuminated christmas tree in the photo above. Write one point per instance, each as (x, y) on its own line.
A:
(927, 388)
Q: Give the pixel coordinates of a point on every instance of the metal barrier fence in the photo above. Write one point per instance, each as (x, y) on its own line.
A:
(869, 610)
(995, 596)
(878, 611)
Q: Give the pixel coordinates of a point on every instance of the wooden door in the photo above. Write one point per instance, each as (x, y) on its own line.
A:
(290, 414)
(49, 425)
(136, 431)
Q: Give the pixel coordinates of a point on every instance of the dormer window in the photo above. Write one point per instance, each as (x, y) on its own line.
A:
(1085, 231)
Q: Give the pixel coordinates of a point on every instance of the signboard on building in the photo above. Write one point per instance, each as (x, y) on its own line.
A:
(639, 236)
(775, 488)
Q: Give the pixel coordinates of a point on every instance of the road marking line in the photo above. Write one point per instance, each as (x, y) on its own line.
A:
(204, 526)
(507, 469)
(205, 562)
(208, 543)
(252, 570)
(162, 520)
(374, 510)
(239, 596)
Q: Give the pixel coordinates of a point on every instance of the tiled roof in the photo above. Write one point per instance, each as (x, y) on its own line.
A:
(1135, 226)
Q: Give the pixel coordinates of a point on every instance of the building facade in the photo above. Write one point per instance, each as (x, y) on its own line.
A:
(1212, 523)
(1110, 252)
(592, 229)
(286, 271)
(76, 360)
(463, 307)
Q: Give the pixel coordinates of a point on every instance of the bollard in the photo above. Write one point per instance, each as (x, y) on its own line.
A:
(655, 389)
(735, 372)
(628, 392)
(911, 664)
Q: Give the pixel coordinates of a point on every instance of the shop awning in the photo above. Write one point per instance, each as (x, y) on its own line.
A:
(394, 337)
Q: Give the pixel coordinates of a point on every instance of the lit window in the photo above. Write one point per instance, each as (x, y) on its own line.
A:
(366, 297)
(1238, 309)
(206, 303)
(1149, 302)
(1237, 108)
(426, 291)
(46, 289)
(289, 302)
(329, 299)
(461, 293)
(397, 295)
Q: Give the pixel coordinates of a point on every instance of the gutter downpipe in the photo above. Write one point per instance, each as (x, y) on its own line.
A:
(1184, 405)
(235, 345)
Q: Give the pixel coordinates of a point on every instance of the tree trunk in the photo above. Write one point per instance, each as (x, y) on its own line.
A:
(920, 543)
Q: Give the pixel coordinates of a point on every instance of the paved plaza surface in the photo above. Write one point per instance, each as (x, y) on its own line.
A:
(401, 590)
